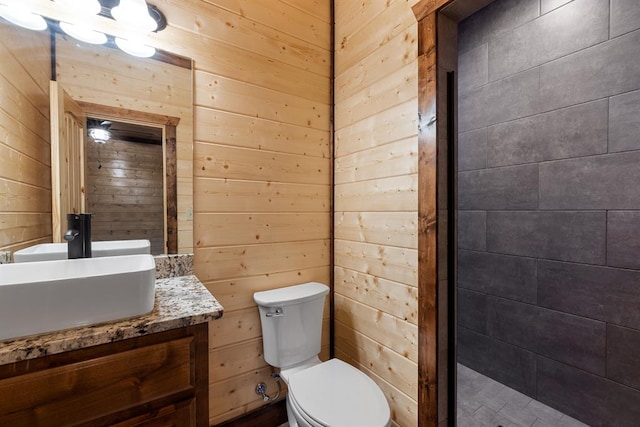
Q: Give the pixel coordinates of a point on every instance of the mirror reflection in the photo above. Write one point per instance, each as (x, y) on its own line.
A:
(109, 86)
(125, 182)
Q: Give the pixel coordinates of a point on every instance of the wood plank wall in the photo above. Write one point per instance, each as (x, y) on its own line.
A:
(262, 166)
(105, 76)
(261, 157)
(25, 151)
(125, 193)
(376, 165)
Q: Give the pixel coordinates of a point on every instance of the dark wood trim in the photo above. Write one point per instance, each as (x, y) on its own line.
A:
(435, 59)
(267, 416)
(427, 225)
(171, 186)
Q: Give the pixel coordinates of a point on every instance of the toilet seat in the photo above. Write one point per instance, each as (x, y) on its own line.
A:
(335, 394)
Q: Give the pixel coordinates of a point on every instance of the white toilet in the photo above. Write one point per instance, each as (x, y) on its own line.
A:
(321, 394)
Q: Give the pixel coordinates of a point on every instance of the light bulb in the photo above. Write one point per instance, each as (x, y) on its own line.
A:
(83, 33)
(20, 15)
(134, 14)
(136, 49)
(99, 135)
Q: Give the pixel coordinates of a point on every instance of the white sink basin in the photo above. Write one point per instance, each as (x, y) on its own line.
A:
(48, 296)
(57, 251)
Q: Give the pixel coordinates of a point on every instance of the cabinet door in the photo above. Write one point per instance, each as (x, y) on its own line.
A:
(81, 392)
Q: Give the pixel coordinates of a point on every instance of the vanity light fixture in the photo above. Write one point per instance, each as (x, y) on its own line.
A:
(82, 9)
(134, 14)
(83, 33)
(135, 49)
(17, 13)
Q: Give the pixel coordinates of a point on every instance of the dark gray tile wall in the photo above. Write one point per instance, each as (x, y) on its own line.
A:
(625, 16)
(570, 132)
(472, 230)
(624, 121)
(549, 203)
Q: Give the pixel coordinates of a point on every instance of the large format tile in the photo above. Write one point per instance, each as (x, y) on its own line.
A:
(623, 355)
(508, 364)
(472, 310)
(514, 187)
(570, 132)
(500, 275)
(472, 150)
(547, 6)
(495, 18)
(577, 341)
(473, 68)
(623, 239)
(576, 26)
(576, 393)
(472, 230)
(606, 69)
(587, 397)
(607, 294)
(507, 99)
(625, 16)
(566, 236)
(624, 121)
(599, 182)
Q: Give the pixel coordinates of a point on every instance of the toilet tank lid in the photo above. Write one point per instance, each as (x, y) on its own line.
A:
(291, 294)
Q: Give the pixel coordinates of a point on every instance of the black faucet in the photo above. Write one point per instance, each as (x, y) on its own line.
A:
(78, 235)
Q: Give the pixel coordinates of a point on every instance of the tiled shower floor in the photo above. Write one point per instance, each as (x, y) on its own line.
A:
(483, 402)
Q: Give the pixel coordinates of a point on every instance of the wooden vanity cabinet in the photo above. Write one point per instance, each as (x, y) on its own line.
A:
(159, 379)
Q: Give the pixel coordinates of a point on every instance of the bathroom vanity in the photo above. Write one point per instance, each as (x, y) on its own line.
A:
(148, 370)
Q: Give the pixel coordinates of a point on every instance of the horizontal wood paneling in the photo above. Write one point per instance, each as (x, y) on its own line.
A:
(243, 131)
(262, 167)
(380, 195)
(381, 22)
(394, 298)
(236, 163)
(221, 229)
(385, 228)
(242, 261)
(394, 124)
(221, 195)
(376, 199)
(25, 151)
(390, 331)
(226, 94)
(235, 294)
(393, 159)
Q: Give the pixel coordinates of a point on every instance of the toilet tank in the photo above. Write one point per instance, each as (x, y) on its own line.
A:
(291, 319)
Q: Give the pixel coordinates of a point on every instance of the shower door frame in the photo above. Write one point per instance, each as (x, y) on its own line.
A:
(437, 170)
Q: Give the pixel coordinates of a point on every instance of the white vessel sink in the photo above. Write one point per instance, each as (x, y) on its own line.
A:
(58, 251)
(48, 296)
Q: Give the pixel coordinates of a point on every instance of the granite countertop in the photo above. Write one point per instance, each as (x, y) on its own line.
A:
(180, 301)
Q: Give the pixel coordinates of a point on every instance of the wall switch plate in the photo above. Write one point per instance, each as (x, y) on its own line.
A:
(190, 214)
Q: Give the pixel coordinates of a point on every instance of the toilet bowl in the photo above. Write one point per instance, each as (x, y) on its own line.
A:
(321, 394)
(335, 394)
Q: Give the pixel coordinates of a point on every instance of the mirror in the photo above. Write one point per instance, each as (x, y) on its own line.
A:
(108, 85)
